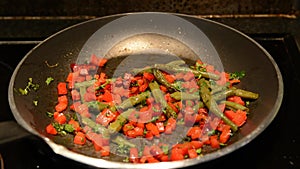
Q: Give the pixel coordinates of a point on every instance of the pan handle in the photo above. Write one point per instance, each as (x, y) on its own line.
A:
(10, 131)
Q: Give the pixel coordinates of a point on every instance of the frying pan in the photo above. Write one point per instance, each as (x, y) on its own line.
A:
(133, 34)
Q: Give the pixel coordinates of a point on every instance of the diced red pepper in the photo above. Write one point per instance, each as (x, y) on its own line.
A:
(151, 159)
(236, 99)
(152, 128)
(107, 96)
(75, 95)
(89, 96)
(62, 88)
(148, 76)
(192, 153)
(105, 117)
(139, 131)
(176, 154)
(80, 138)
(97, 61)
(156, 151)
(145, 115)
(105, 151)
(60, 118)
(127, 127)
(62, 99)
(61, 107)
(51, 130)
(164, 158)
(188, 76)
(214, 141)
(170, 78)
(160, 126)
(149, 135)
(196, 144)
(195, 132)
(75, 124)
(225, 135)
(134, 155)
(239, 117)
(172, 122)
(143, 87)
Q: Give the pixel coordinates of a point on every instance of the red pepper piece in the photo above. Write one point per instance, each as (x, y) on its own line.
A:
(51, 130)
(79, 138)
(62, 88)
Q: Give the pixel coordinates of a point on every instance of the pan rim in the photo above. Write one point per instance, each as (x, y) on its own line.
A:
(61, 150)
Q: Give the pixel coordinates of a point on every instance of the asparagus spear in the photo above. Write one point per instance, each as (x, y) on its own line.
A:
(212, 104)
(159, 98)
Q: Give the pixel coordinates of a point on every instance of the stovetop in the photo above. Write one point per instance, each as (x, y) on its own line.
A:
(276, 147)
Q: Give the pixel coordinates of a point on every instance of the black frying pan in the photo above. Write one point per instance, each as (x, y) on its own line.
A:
(129, 34)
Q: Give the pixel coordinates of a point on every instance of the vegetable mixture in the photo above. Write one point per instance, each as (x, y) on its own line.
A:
(178, 110)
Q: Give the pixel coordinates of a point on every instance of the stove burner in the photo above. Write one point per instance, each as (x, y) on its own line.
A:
(274, 148)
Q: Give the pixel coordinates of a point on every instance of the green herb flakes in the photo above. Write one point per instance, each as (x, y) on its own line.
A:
(49, 80)
(30, 86)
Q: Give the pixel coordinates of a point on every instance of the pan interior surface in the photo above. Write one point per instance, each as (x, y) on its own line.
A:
(52, 58)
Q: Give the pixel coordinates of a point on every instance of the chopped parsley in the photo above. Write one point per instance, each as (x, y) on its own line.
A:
(237, 75)
(49, 80)
(35, 102)
(30, 86)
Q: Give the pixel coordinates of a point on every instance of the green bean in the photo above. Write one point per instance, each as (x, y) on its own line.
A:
(159, 98)
(142, 70)
(234, 91)
(223, 95)
(84, 84)
(197, 106)
(186, 69)
(176, 63)
(216, 88)
(120, 140)
(96, 127)
(184, 96)
(97, 105)
(235, 106)
(82, 91)
(245, 94)
(161, 79)
(212, 104)
(117, 125)
(134, 100)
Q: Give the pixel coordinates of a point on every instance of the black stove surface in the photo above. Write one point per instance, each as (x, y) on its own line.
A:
(276, 147)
